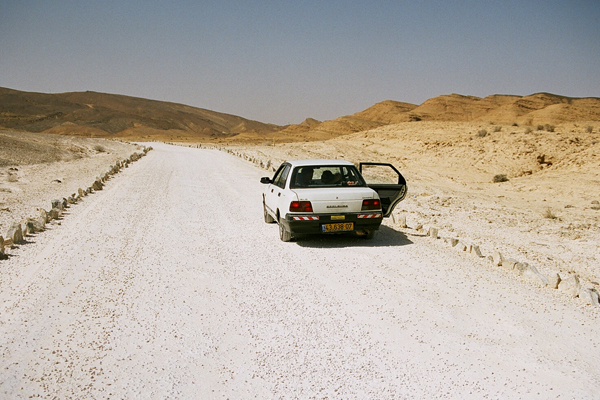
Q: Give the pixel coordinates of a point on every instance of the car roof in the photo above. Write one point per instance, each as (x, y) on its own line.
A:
(316, 162)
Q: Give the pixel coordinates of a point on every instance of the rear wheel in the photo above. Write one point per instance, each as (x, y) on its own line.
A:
(284, 234)
(268, 218)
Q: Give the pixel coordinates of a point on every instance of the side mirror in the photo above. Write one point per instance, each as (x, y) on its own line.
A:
(265, 179)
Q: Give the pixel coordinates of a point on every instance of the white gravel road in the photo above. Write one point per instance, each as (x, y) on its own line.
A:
(168, 284)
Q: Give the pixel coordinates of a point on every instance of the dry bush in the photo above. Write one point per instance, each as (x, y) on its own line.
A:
(549, 128)
(500, 178)
(589, 129)
(540, 127)
(528, 130)
(497, 128)
(482, 133)
(549, 214)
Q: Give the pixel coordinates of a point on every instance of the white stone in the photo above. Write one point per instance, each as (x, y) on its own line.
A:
(569, 284)
(44, 215)
(531, 272)
(589, 296)
(553, 281)
(497, 259)
(433, 232)
(461, 246)
(55, 213)
(57, 204)
(509, 263)
(15, 233)
(476, 250)
(402, 221)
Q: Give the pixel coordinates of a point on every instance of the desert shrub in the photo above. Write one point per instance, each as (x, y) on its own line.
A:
(589, 129)
(99, 148)
(549, 214)
(482, 133)
(515, 124)
(528, 130)
(500, 178)
(540, 127)
(497, 128)
(549, 128)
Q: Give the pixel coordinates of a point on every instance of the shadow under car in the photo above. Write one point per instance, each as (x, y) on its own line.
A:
(385, 237)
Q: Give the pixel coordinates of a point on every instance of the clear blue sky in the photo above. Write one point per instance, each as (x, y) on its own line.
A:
(283, 61)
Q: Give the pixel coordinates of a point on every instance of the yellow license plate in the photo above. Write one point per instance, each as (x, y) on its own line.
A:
(341, 227)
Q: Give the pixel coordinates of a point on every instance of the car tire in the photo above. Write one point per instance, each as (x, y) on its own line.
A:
(268, 218)
(284, 234)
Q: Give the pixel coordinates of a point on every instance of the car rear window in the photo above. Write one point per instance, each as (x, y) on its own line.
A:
(316, 176)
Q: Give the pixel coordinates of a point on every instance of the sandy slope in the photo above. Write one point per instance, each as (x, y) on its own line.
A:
(168, 284)
(37, 168)
(543, 215)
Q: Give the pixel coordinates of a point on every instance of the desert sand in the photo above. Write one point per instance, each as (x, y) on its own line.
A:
(168, 284)
(546, 213)
(38, 168)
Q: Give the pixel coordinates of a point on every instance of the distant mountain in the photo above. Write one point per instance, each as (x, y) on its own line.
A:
(110, 115)
(384, 113)
(539, 108)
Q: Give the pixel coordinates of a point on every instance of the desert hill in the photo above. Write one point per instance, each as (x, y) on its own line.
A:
(109, 115)
(94, 114)
(535, 109)
(383, 113)
(539, 108)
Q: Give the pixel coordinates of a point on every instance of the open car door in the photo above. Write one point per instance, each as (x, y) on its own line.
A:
(387, 181)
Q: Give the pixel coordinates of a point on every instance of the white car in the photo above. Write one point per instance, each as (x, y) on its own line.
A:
(330, 196)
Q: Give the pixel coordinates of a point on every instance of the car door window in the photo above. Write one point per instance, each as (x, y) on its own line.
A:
(280, 179)
(375, 174)
(387, 181)
(277, 176)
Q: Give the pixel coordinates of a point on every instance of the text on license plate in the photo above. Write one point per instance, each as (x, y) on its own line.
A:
(341, 227)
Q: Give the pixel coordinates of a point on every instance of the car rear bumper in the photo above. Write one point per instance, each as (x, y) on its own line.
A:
(313, 223)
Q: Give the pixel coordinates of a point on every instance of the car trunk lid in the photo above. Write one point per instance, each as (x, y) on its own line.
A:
(335, 200)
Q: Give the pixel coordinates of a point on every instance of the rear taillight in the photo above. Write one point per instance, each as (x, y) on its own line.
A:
(371, 204)
(301, 206)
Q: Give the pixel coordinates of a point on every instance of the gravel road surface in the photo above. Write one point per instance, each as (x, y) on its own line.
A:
(168, 284)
